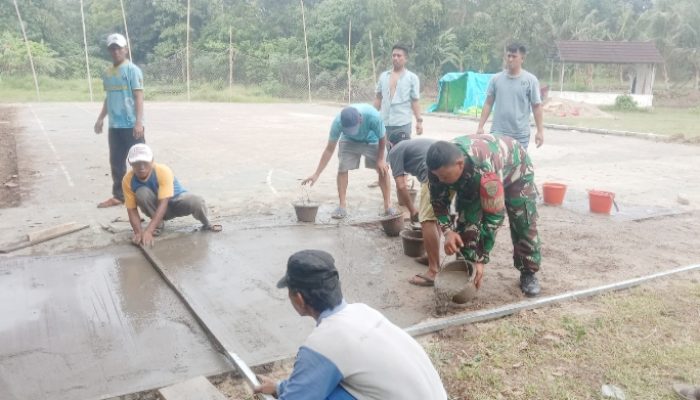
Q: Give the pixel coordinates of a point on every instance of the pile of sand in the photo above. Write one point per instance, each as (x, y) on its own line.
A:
(567, 108)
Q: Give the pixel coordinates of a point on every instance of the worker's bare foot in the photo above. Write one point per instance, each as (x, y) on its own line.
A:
(111, 202)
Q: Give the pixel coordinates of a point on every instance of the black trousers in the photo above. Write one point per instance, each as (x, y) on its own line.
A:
(120, 141)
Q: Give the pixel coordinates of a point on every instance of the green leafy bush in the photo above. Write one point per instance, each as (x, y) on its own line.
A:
(625, 103)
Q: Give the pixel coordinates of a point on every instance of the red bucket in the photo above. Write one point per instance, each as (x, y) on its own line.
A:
(553, 193)
(600, 202)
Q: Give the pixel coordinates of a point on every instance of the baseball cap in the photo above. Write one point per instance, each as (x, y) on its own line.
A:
(116, 38)
(309, 269)
(350, 120)
(139, 152)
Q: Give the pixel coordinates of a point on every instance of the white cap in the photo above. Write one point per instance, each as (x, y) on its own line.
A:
(139, 152)
(116, 38)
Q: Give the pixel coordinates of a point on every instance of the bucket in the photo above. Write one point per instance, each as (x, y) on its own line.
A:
(600, 202)
(413, 193)
(393, 224)
(306, 212)
(454, 285)
(553, 193)
(412, 242)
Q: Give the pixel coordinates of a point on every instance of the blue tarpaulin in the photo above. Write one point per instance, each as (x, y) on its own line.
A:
(460, 92)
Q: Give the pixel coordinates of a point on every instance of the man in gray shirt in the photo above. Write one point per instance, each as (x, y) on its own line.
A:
(397, 94)
(408, 157)
(514, 92)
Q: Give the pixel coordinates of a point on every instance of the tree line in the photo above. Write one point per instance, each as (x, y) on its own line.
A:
(442, 35)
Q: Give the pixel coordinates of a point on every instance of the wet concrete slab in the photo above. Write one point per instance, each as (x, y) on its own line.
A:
(230, 280)
(93, 326)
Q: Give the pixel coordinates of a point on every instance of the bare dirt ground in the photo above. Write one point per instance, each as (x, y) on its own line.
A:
(9, 180)
(249, 169)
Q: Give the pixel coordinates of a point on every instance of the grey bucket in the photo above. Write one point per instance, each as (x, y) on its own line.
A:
(306, 212)
(412, 242)
(448, 280)
(392, 224)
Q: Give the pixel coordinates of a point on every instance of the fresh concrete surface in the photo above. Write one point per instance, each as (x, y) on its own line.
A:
(92, 326)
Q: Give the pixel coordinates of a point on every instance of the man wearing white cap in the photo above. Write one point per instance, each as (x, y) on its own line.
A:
(157, 192)
(123, 84)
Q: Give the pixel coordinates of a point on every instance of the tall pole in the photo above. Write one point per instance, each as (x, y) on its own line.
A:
(187, 51)
(87, 59)
(230, 59)
(29, 51)
(371, 52)
(561, 81)
(306, 48)
(349, 62)
(126, 29)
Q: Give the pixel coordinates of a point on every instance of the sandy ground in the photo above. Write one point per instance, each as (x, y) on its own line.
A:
(247, 160)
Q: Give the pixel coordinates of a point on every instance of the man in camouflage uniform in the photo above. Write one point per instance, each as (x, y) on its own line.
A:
(490, 176)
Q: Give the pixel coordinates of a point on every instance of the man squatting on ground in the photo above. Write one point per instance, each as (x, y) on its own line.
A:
(490, 176)
(359, 131)
(354, 352)
(123, 83)
(159, 195)
(397, 94)
(408, 157)
(514, 92)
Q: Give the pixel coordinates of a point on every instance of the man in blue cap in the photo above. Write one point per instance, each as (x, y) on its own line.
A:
(354, 352)
(359, 131)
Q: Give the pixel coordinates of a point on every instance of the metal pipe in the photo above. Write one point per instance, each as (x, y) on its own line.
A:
(485, 315)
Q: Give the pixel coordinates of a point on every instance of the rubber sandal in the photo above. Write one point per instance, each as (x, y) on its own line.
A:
(111, 202)
(339, 213)
(424, 282)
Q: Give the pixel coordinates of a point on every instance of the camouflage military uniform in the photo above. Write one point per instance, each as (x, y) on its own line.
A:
(477, 228)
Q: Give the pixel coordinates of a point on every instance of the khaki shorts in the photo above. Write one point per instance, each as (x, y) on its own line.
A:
(425, 210)
(349, 154)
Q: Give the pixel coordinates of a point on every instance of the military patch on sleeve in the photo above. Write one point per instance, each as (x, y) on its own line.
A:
(491, 193)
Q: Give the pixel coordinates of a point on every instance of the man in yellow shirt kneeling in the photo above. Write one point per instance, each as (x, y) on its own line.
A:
(157, 192)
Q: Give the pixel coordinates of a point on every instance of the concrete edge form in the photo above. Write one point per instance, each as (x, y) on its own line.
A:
(232, 357)
(494, 313)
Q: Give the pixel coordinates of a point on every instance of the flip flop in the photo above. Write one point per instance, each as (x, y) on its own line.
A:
(213, 228)
(111, 202)
(339, 213)
(425, 282)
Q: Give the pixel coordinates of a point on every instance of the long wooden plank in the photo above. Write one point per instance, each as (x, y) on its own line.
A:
(20, 245)
(198, 388)
(35, 236)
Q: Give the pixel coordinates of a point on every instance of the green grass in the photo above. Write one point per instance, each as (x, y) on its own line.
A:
(642, 341)
(21, 89)
(662, 120)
